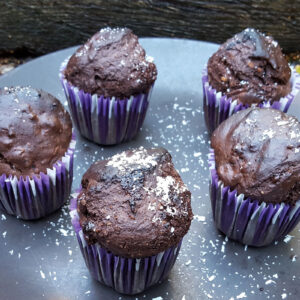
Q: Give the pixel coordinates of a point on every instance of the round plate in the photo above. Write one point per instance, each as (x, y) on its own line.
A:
(41, 259)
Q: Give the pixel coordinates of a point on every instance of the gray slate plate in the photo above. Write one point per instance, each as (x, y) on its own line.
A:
(41, 260)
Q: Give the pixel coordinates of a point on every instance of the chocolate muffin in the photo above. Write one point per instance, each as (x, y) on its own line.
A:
(36, 152)
(247, 70)
(108, 83)
(35, 131)
(111, 63)
(256, 168)
(136, 207)
(257, 152)
(250, 68)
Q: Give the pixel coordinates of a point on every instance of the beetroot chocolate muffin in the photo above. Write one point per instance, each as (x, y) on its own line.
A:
(256, 164)
(35, 136)
(134, 207)
(248, 69)
(111, 63)
(107, 82)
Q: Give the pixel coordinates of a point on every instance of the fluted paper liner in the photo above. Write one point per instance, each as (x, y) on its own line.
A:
(125, 275)
(36, 197)
(105, 121)
(247, 220)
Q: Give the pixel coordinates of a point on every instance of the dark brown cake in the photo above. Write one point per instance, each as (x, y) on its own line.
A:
(35, 131)
(251, 68)
(135, 204)
(257, 152)
(111, 63)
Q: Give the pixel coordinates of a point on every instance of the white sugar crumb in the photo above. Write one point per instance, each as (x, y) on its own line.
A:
(199, 218)
(249, 121)
(87, 292)
(64, 232)
(283, 296)
(288, 238)
(138, 160)
(42, 274)
(152, 206)
(163, 186)
(156, 219)
(270, 281)
(294, 258)
(281, 123)
(211, 278)
(268, 133)
(149, 59)
(158, 298)
(241, 295)
(188, 262)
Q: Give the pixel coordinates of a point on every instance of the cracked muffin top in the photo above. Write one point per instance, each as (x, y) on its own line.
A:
(135, 203)
(111, 63)
(250, 68)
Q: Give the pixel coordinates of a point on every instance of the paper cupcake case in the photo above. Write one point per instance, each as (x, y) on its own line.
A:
(105, 121)
(125, 275)
(248, 221)
(36, 197)
(218, 107)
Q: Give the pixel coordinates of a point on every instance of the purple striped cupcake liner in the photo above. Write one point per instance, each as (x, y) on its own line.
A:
(218, 107)
(106, 121)
(126, 275)
(248, 221)
(36, 197)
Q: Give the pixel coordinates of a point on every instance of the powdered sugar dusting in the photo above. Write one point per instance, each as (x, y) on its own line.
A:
(139, 159)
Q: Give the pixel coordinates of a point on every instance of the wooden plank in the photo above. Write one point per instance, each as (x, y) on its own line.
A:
(41, 26)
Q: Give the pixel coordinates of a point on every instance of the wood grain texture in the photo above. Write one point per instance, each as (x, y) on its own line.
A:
(42, 26)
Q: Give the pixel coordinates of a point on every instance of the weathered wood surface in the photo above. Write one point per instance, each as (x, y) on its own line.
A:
(42, 26)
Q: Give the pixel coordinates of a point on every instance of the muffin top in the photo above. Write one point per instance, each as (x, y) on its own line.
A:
(135, 203)
(35, 131)
(251, 68)
(111, 63)
(257, 152)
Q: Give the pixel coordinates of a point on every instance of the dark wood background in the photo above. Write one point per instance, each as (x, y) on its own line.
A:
(40, 26)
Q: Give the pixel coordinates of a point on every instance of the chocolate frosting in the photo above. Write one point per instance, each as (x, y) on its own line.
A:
(111, 63)
(251, 68)
(134, 204)
(35, 131)
(257, 152)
